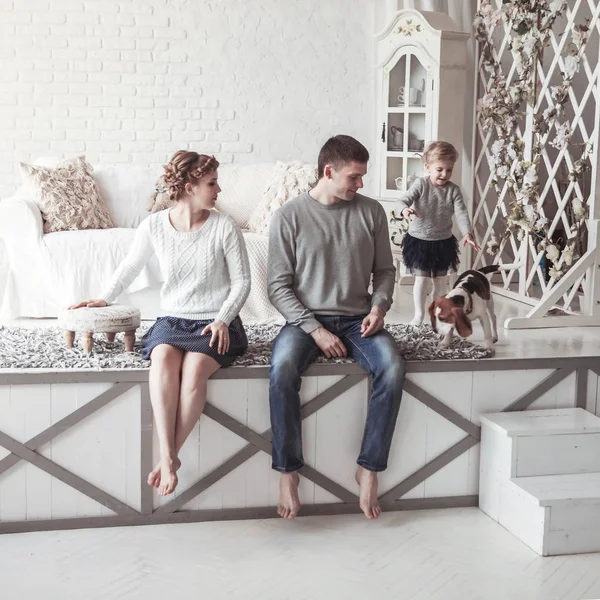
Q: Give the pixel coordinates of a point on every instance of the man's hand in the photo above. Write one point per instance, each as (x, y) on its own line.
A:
(407, 213)
(373, 322)
(220, 334)
(89, 304)
(468, 239)
(330, 344)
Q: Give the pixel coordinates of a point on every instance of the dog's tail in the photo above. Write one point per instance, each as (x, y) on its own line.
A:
(496, 268)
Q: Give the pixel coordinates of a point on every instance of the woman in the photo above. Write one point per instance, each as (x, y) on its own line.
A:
(206, 273)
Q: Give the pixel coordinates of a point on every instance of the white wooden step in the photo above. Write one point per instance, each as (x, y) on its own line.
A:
(544, 442)
(554, 421)
(552, 490)
(540, 477)
(553, 514)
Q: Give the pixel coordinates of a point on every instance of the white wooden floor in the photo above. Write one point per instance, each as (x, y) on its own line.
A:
(422, 555)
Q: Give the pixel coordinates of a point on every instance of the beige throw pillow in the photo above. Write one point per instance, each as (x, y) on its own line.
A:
(67, 195)
(289, 181)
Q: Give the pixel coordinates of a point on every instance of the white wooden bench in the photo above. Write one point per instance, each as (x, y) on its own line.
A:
(76, 446)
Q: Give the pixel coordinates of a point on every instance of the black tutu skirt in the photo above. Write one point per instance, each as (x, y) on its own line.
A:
(186, 334)
(430, 258)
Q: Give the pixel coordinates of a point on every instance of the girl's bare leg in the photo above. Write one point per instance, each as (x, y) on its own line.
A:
(164, 394)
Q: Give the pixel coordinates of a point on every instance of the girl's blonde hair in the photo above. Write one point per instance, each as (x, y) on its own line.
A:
(186, 167)
(440, 151)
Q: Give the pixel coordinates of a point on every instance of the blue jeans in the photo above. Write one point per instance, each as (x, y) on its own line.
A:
(294, 350)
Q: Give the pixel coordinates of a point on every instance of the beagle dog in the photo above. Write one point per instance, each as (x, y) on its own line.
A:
(470, 298)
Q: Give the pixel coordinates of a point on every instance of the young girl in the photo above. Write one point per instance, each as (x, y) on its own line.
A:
(429, 250)
(206, 273)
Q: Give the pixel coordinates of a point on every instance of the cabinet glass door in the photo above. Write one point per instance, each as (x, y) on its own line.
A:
(406, 119)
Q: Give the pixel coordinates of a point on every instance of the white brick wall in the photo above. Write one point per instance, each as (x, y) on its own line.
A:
(135, 80)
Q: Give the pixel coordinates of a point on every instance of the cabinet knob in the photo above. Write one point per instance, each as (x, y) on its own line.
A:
(383, 133)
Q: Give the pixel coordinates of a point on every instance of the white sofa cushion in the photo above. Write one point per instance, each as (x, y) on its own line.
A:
(126, 189)
(80, 264)
(242, 188)
(257, 308)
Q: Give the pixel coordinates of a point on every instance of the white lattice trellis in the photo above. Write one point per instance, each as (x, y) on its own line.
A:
(571, 298)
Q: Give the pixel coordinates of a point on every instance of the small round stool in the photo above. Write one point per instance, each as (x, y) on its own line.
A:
(109, 320)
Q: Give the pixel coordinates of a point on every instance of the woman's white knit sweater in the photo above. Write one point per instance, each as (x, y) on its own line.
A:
(206, 272)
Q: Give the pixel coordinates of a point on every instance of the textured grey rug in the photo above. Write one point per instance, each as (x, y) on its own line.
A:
(44, 348)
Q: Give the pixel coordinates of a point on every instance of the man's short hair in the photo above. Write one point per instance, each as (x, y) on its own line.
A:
(339, 151)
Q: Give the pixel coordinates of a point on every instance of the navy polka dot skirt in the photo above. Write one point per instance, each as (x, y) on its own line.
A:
(186, 334)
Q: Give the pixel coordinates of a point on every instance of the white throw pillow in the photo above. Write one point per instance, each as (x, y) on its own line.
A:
(288, 182)
(242, 188)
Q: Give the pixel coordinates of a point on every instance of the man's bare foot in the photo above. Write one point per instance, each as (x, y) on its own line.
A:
(289, 502)
(367, 480)
(168, 476)
(154, 475)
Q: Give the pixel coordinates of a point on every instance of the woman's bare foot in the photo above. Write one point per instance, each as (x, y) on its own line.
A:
(367, 480)
(154, 475)
(168, 476)
(289, 502)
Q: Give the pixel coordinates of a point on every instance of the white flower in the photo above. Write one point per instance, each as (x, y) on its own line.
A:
(492, 245)
(567, 256)
(578, 208)
(518, 60)
(521, 235)
(529, 45)
(487, 101)
(497, 148)
(490, 16)
(554, 272)
(563, 135)
(514, 94)
(531, 177)
(571, 66)
(579, 36)
(555, 91)
(521, 197)
(546, 113)
(512, 153)
(541, 223)
(502, 171)
(530, 214)
(552, 252)
(557, 6)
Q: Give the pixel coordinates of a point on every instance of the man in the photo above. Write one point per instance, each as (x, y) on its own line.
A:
(324, 246)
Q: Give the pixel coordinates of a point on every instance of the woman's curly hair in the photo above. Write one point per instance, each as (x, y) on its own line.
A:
(186, 167)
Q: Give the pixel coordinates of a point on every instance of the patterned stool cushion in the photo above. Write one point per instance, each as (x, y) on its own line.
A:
(108, 319)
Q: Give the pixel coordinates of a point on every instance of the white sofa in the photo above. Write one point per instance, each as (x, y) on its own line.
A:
(47, 272)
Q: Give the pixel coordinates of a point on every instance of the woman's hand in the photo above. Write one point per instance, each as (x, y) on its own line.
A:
(407, 213)
(220, 334)
(89, 304)
(468, 239)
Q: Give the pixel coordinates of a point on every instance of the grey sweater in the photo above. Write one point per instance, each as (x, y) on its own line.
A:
(321, 259)
(435, 207)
